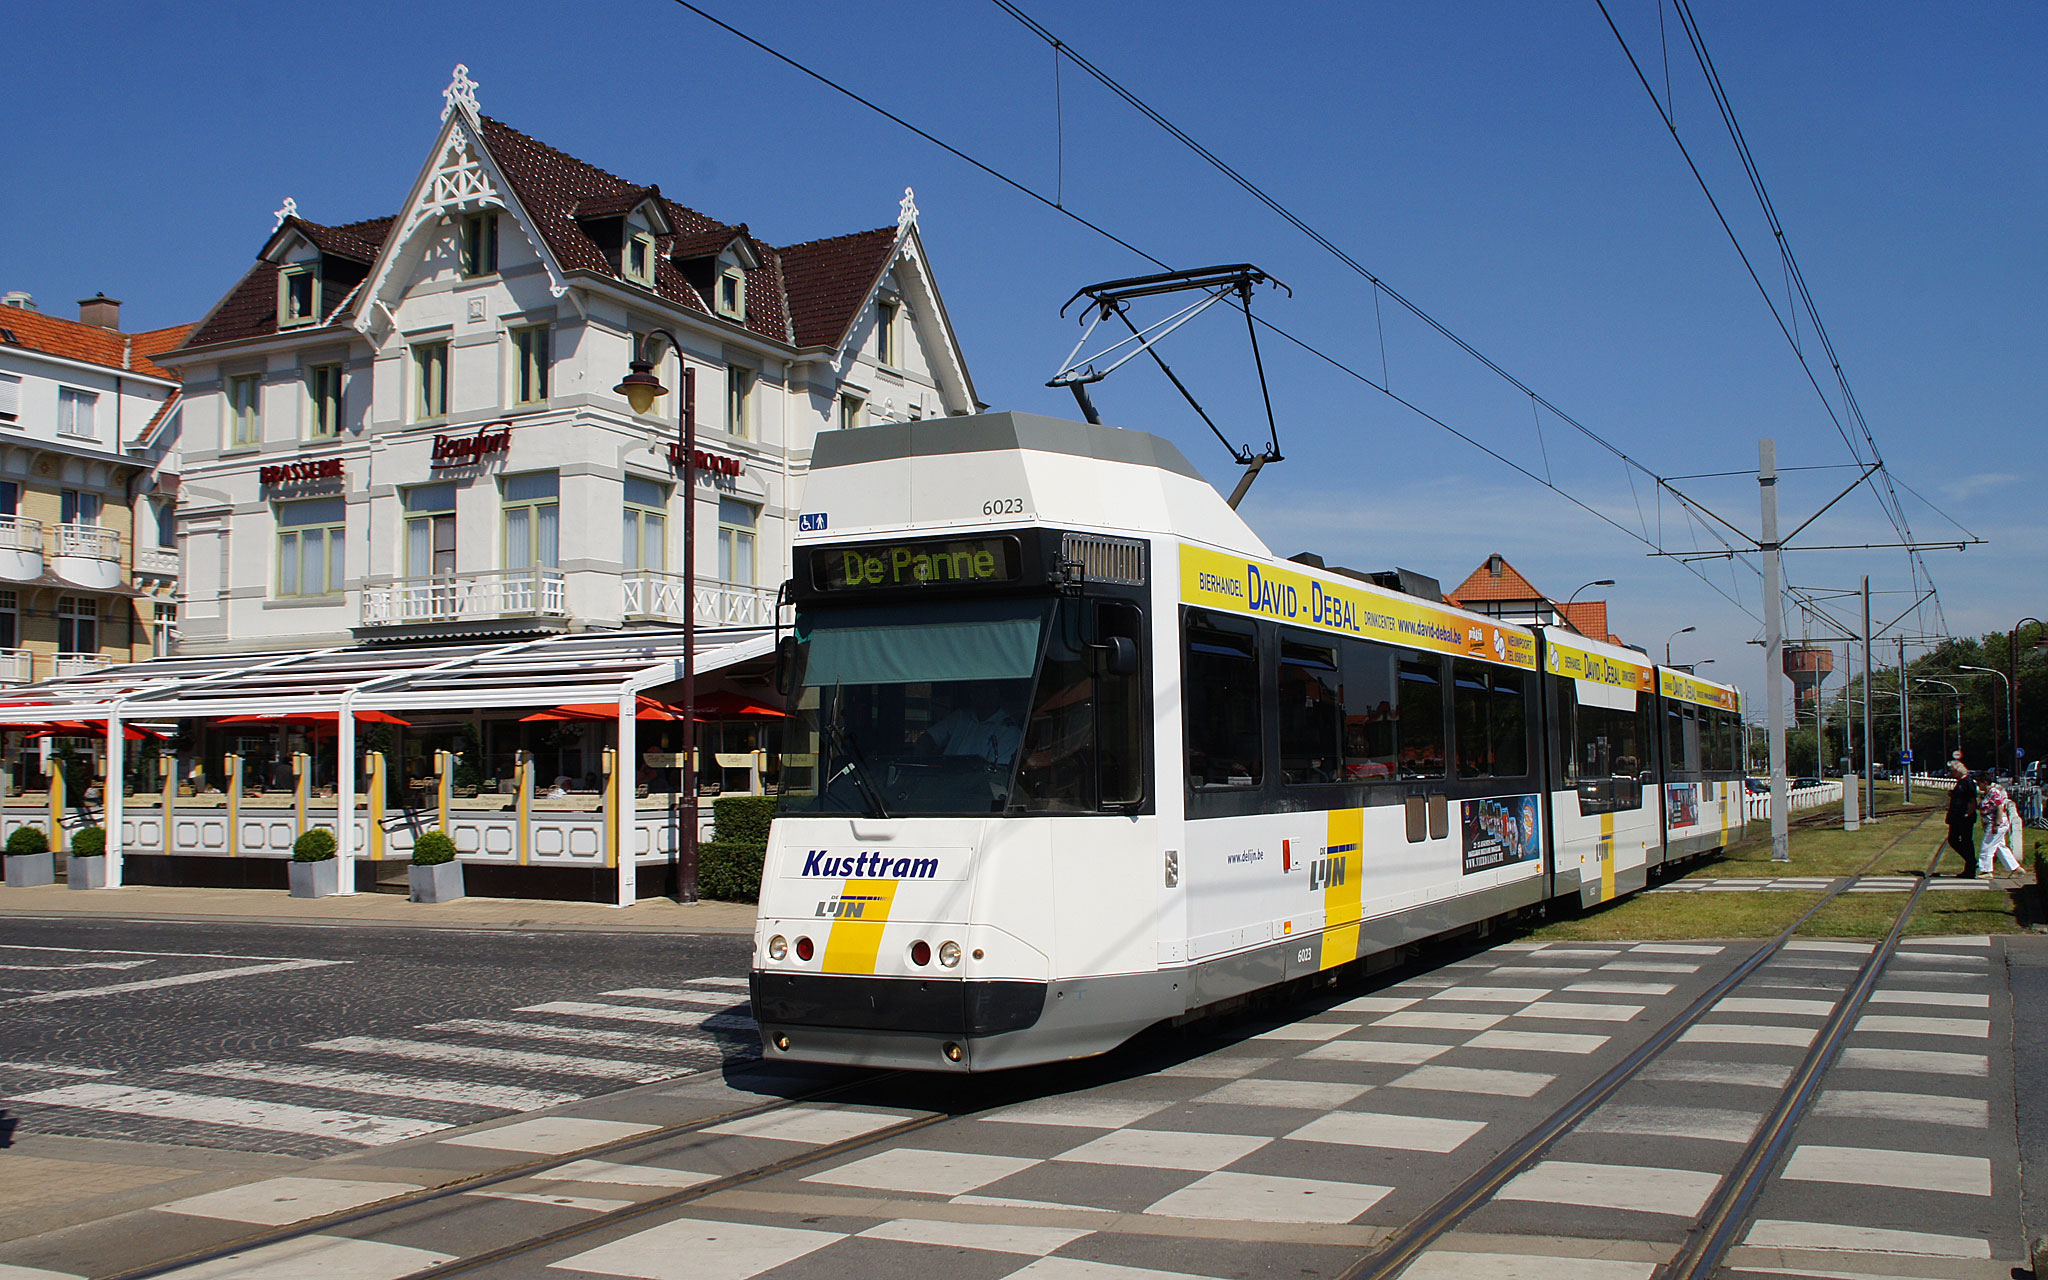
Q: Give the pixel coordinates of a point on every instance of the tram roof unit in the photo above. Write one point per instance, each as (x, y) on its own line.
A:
(1002, 470)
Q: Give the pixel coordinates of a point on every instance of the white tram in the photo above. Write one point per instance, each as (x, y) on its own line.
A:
(1084, 755)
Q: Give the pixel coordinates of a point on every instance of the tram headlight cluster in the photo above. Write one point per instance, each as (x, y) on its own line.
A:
(778, 948)
(804, 949)
(949, 954)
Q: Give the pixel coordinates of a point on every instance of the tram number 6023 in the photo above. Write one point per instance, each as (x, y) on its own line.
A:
(1003, 507)
(1302, 956)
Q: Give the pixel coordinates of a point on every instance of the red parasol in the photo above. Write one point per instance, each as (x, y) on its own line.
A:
(90, 729)
(331, 719)
(646, 709)
(721, 705)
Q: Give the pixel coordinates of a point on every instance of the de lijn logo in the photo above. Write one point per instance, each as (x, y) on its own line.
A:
(869, 866)
(1329, 869)
(848, 906)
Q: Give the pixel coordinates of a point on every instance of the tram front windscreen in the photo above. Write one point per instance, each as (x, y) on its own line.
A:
(914, 709)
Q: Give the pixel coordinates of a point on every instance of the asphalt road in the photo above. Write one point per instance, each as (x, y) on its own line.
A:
(314, 1040)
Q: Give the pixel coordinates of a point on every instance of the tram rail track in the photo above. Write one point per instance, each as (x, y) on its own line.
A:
(1712, 1233)
(1714, 1228)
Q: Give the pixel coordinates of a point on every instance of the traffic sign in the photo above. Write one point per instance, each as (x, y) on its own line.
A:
(1905, 757)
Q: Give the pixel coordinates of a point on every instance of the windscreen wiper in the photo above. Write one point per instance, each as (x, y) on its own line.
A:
(855, 768)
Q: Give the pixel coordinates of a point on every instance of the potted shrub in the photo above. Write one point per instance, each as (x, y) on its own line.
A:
(29, 860)
(435, 874)
(85, 866)
(315, 873)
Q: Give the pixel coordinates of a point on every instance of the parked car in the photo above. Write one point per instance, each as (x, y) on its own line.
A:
(1805, 782)
(1757, 786)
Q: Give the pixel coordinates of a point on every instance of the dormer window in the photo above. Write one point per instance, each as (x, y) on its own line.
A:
(298, 296)
(638, 265)
(480, 244)
(885, 332)
(732, 294)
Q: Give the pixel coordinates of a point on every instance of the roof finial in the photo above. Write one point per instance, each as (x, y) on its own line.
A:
(461, 92)
(907, 210)
(290, 209)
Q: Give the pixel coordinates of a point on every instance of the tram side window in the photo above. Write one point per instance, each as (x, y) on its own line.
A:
(1225, 739)
(1370, 714)
(1493, 723)
(1422, 717)
(1681, 737)
(1311, 713)
(1610, 753)
(1719, 729)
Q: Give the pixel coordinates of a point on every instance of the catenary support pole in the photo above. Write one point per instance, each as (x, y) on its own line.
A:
(1869, 767)
(1852, 791)
(1905, 726)
(1774, 648)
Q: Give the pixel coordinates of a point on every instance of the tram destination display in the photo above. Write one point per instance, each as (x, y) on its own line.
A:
(886, 566)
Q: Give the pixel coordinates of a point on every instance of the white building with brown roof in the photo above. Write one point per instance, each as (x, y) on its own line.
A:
(404, 429)
(88, 480)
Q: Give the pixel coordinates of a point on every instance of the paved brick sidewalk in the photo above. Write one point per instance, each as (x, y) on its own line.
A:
(276, 906)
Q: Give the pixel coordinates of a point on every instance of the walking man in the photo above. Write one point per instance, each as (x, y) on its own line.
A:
(1962, 816)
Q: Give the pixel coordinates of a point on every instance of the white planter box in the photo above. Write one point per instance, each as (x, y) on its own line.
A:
(316, 879)
(27, 870)
(87, 872)
(440, 882)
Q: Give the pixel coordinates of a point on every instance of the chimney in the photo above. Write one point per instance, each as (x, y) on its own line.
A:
(100, 311)
(18, 299)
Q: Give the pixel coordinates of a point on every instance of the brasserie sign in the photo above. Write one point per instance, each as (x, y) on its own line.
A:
(300, 472)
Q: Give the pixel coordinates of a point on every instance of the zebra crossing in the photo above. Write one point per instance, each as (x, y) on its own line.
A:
(1820, 884)
(328, 1096)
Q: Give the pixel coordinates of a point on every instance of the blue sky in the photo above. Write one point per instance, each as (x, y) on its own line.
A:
(1498, 164)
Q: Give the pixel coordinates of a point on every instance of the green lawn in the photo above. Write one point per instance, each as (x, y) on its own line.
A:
(1827, 850)
(1940, 914)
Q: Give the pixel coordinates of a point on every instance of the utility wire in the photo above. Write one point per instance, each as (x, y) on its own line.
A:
(1630, 463)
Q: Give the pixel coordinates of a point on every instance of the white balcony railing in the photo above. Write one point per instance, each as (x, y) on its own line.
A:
(86, 541)
(17, 666)
(78, 664)
(17, 533)
(499, 593)
(649, 594)
(161, 562)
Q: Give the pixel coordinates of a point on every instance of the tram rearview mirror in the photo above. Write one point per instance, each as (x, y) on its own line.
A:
(785, 666)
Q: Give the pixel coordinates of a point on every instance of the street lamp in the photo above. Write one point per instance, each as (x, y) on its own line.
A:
(641, 388)
(1673, 636)
(1955, 693)
(1994, 671)
(2012, 697)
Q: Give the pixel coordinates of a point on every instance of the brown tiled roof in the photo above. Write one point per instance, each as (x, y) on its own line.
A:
(805, 295)
(829, 279)
(92, 344)
(1484, 584)
(1588, 617)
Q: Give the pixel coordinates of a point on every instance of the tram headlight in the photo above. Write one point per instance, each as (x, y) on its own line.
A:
(778, 947)
(949, 954)
(804, 949)
(920, 953)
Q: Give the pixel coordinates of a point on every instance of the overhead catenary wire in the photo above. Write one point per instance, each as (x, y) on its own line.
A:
(1630, 464)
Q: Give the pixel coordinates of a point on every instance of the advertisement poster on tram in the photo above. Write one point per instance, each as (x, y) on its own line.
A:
(1682, 803)
(1501, 830)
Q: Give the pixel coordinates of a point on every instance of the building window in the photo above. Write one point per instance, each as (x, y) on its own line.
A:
(166, 626)
(323, 385)
(739, 399)
(298, 296)
(885, 333)
(310, 546)
(75, 413)
(639, 258)
(76, 506)
(78, 624)
(533, 520)
(10, 499)
(245, 410)
(530, 372)
(430, 380)
(736, 521)
(10, 620)
(10, 398)
(166, 523)
(644, 540)
(851, 410)
(480, 244)
(430, 531)
(732, 294)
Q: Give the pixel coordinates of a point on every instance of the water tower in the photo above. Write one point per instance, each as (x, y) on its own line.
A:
(1809, 668)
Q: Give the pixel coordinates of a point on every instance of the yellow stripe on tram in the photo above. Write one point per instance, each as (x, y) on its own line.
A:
(1606, 857)
(856, 935)
(1343, 886)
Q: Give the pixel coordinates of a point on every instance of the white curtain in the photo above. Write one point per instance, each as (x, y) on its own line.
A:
(547, 540)
(419, 548)
(519, 538)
